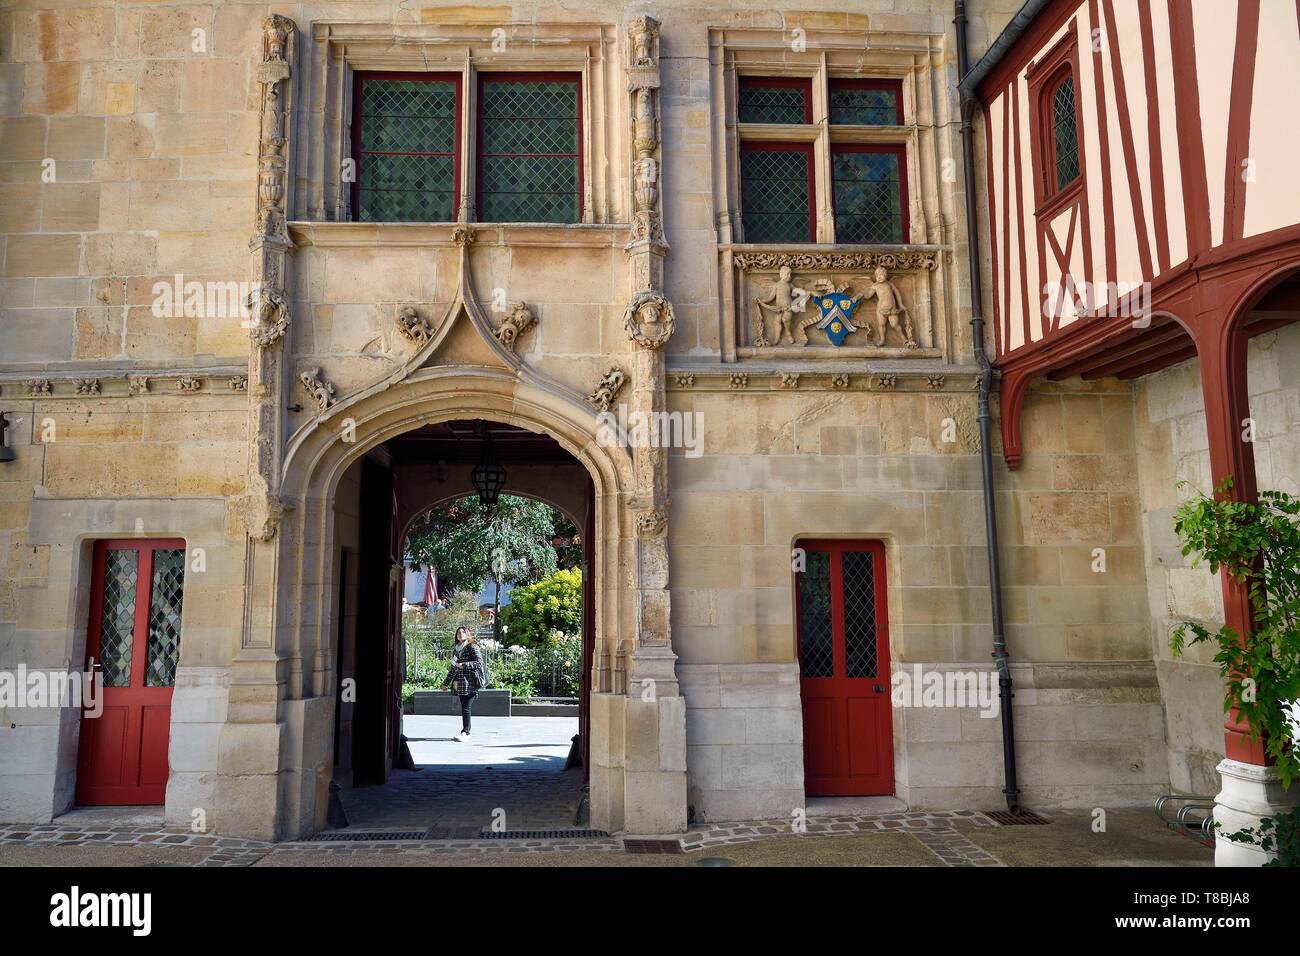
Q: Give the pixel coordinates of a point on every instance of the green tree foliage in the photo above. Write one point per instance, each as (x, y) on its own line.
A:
(1259, 544)
(552, 604)
(470, 543)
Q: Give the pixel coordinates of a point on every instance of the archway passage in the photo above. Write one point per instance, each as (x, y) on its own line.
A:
(525, 768)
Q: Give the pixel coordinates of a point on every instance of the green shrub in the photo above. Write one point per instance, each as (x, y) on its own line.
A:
(538, 610)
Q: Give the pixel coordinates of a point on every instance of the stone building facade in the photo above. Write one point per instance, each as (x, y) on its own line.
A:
(145, 146)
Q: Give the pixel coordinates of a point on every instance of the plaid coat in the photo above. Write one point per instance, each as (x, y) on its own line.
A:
(465, 680)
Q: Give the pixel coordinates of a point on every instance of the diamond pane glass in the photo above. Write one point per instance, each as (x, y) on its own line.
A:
(1065, 134)
(165, 617)
(117, 618)
(816, 647)
(859, 614)
(407, 164)
(772, 104)
(774, 190)
(868, 196)
(859, 107)
(529, 151)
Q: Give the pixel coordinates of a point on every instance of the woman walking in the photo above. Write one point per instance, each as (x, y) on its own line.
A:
(465, 676)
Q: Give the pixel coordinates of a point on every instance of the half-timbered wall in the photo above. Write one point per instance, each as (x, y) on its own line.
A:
(1181, 151)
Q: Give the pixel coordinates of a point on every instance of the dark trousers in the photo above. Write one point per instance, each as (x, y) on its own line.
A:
(465, 703)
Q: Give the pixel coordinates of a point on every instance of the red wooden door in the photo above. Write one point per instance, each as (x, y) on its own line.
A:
(843, 644)
(133, 642)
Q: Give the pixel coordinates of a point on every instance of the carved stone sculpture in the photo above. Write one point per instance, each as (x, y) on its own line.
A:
(38, 386)
(137, 384)
(889, 307)
(189, 383)
(86, 386)
(643, 31)
(271, 319)
(412, 327)
(782, 301)
(602, 396)
(321, 391)
(517, 321)
(239, 383)
(651, 523)
(649, 320)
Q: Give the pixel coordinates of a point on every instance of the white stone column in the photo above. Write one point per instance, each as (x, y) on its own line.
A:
(1249, 793)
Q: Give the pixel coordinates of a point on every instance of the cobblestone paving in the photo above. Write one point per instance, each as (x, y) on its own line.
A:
(933, 829)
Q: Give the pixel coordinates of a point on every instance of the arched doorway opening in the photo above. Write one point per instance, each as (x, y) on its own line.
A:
(398, 764)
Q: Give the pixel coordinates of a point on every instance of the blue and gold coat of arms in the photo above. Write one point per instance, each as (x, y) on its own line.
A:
(837, 314)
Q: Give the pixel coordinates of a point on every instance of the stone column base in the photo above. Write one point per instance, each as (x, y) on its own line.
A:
(1249, 793)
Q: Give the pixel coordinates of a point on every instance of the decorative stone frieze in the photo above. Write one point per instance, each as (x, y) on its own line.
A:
(934, 381)
(840, 380)
(886, 381)
(189, 384)
(138, 384)
(739, 380)
(38, 386)
(789, 380)
(832, 261)
(684, 379)
(86, 386)
(239, 383)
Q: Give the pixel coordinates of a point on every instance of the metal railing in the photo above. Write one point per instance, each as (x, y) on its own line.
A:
(1191, 814)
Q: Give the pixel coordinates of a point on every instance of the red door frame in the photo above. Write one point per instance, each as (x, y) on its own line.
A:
(137, 752)
(843, 689)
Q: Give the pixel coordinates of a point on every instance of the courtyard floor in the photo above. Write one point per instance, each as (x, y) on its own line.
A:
(510, 777)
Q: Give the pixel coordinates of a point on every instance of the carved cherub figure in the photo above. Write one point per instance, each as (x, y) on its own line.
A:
(784, 299)
(889, 306)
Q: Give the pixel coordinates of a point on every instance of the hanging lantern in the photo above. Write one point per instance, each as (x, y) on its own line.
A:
(488, 476)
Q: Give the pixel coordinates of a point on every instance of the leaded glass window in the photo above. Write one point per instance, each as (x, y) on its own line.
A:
(774, 100)
(166, 596)
(117, 617)
(866, 102)
(530, 167)
(1065, 133)
(859, 614)
(776, 193)
(870, 195)
(406, 149)
(816, 636)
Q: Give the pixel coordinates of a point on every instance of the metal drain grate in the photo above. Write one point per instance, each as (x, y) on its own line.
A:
(652, 846)
(345, 836)
(486, 834)
(1019, 818)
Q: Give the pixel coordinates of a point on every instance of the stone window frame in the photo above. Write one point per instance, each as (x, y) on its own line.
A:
(819, 64)
(921, 61)
(339, 49)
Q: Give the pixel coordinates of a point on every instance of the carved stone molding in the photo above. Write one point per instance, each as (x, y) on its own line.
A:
(833, 261)
(789, 380)
(38, 386)
(739, 380)
(137, 384)
(239, 383)
(462, 236)
(840, 380)
(649, 320)
(684, 379)
(189, 384)
(934, 381)
(412, 326)
(652, 523)
(603, 395)
(517, 320)
(886, 381)
(321, 391)
(87, 386)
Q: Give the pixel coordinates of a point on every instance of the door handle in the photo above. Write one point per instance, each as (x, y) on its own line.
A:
(878, 689)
